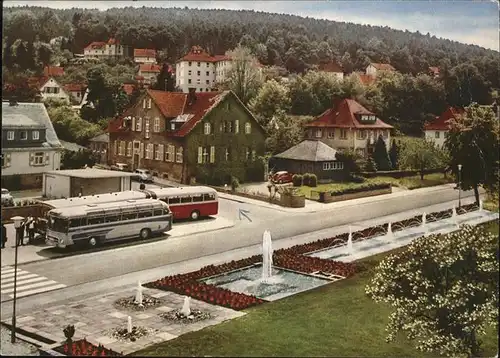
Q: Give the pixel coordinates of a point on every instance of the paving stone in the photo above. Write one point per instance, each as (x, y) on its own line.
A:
(58, 312)
(165, 309)
(80, 324)
(103, 300)
(161, 294)
(24, 319)
(106, 340)
(118, 315)
(166, 336)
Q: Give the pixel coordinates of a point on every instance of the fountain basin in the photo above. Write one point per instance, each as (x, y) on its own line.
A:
(281, 284)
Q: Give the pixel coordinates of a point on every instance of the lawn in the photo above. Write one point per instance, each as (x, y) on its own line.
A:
(333, 320)
(413, 182)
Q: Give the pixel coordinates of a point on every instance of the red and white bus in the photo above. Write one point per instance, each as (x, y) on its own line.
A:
(189, 201)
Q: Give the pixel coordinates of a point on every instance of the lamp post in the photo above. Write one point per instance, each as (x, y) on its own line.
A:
(17, 224)
(459, 183)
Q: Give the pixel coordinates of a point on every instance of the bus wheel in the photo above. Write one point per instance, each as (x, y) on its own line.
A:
(93, 242)
(145, 234)
(195, 215)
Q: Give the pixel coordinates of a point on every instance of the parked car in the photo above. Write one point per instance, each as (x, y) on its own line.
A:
(281, 177)
(120, 167)
(7, 198)
(143, 175)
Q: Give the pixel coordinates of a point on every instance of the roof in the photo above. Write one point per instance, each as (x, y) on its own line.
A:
(198, 54)
(442, 122)
(365, 80)
(75, 87)
(183, 190)
(103, 138)
(383, 66)
(144, 52)
(344, 116)
(218, 58)
(99, 207)
(72, 147)
(94, 199)
(330, 67)
(90, 173)
(35, 112)
(53, 71)
(309, 150)
(20, 121)
(95, 45)
(128, 88)
(113, 41)
(434, 70)
(149, 67)
(37, 82)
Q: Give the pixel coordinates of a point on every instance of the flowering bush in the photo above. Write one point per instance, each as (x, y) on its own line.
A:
(82, 348)
(310, 264)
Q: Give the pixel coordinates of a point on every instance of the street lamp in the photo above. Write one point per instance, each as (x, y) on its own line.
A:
(459, 182)
(19, 231)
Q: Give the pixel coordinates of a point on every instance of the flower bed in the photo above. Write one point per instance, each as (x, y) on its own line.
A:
(308, 264)
(82, 348)
(467, 208)
(411, 222)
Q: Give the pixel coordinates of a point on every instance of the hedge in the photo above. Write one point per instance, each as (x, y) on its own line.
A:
(360, 188)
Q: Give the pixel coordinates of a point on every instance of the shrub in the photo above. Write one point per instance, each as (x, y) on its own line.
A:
(306, 179)
(361, 188)
(381, 156)
(234, 183)
(356, 179)
(313, 180)
(370, 165)
(297, 180)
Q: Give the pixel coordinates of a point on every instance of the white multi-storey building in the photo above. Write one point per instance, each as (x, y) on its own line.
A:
(112, 48)
(195, 70)
(144, 55)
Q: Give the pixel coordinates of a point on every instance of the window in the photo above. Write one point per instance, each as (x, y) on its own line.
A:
(95, 220)
(247, 153)
(236, 126)
(208, 74)
(10, 135)
(129, 215)
(186, 199)
(120, 148)
(202, 155)
(159, 152)
(207, 128)
(208, 82)
(149, 103)
(139, 125)
(146, 122)
(254, 155)
(24, 135)
(179, 155)
(189, 80)
(201, 89)
(189, 72)
(115, 147)
(144, 103)
(77, 222)
(35, 135)
(38, 158)
(318, 133)
(174, 200)
(112, 218)
(445, 134)
(361, 134)
(333, 166)
(343, 134)
(208, 197)
(198, 73)
(169, 154)
(157, 212)
(129, 149)
(145, 213)
(436, 135)
(197, 198)
(248, 128)
(149, 151)
(229, 127)
(226, 154)
(331, 134)
(208, 64)
(198, 81)
(212, 154)
(199, 64)
(156, 127)
(189, 63)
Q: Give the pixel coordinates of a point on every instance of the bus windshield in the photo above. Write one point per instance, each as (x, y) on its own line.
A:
(58, 224)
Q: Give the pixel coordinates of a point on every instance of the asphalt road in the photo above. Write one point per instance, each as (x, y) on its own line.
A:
(111, 263)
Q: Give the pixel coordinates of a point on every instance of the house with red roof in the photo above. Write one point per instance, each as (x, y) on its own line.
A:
(53, 71)
(438, 129)
(196, 136)
(433, 71)
(365, 79)
(332, 68)
(49, 88)
(144, 55)
(100, 49)
(349, 126)
(374, 68)
(76, 91)
(148, 73)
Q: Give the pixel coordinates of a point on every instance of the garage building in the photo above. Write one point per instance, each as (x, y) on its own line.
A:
(70, 183)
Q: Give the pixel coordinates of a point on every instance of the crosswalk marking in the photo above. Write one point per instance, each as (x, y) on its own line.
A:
(27, 283)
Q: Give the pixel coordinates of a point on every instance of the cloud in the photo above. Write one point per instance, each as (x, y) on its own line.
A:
(459, 21)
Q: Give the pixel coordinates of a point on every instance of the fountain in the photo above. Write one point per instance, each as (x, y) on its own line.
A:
(481, 209)
(138, 296)
(186, 307)
(454, 217)
(390, 234)
(129, 324)
(350, 249)
(424, 224)
(267, 256)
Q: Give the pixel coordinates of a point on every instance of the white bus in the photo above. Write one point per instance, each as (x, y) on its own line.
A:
(95, 224)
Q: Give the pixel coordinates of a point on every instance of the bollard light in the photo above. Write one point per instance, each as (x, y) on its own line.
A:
(459, 184)
(17, 224)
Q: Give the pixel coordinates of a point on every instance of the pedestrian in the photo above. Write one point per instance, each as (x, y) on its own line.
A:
(4, 236)
(31, 231)
(20, 234)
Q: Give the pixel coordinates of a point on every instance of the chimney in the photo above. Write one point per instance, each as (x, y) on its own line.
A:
(191, 96)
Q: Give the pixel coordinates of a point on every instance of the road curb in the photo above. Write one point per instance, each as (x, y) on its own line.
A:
(29, 337)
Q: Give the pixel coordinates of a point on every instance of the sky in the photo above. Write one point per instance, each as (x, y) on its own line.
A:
(468, 21)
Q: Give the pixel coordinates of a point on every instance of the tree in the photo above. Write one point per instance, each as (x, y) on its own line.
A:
(394, 154)
(284, 132)
(381, 156)
(370, 165)
(350, 159)
(473, 142)
(443, 289)
(271, 98)
(70, 127)
(244, 77)
(77, 160)
(420, 154)
(165, 81)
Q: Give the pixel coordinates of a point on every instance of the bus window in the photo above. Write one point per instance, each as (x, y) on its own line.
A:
(208, 197)
(145, 213)
(186, 199)
(158, 212)
(174, 200)
(112, 218)
(95, 220)
(75, 222)
(129, 216)
(58, 224)
(197, 198)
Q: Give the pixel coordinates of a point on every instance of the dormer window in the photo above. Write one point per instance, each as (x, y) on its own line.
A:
(318, 133)
(23, 135)
(172, 126)
(35, 135)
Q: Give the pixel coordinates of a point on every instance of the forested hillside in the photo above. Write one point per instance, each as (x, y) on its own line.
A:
(275, 39)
